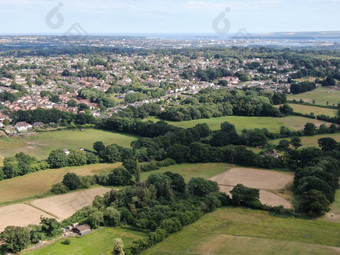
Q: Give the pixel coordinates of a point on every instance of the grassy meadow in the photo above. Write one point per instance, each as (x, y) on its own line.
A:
(306, 109)
(203, 170)
(246, 231)
(99, 242)
(38, 183)
(320, 95)
(310, 141)
(41, 144)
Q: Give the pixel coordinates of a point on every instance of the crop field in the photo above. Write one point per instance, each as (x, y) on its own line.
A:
(306, 109)
(188, 171)
(64, 206)
(245, 231)
(38, 183)
(20, 215)
(41, 144)
(311, 141)
(98, 242)
(265, 180)
(320, 95)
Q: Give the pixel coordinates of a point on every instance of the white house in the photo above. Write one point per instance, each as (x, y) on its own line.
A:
(23, 126)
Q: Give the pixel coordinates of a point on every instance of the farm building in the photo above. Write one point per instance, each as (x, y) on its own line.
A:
(23, 126)
(82, 229)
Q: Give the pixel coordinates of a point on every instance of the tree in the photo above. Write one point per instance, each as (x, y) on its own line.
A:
(120, 176)
(201, 187)
(51, 227)
(327, 144)
(76, 158)
(162, 184)
(310, 129)
(111, 217)
(11, 167)
(177, 183)
(15, 238)
(72, 103)
(59, 188)
(283, 145)
(118, 247)
(296, 142)
(112, 154)
(99, 146)
(130, 165)
(286, 109)
(314, 203)
(96, 219)
(242, 195)
(57, 159)
(72, 181)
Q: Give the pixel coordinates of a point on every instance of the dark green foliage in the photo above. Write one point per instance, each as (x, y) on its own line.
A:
(111, 217)
(72, 181)
(310, 129)
(242, 195)
(327, 144)
(15, 238)
(177, 183)
(59, 188)
(50, 227)
(57, 159)
(201, 187)
(314, 203)
(162, 184)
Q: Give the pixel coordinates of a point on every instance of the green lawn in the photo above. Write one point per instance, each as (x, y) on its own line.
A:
(320, 95)
(203, 170)
(311, 141)
(298, 123)
(306, 109)
(41, 144)
(97, 243)
(247, 231)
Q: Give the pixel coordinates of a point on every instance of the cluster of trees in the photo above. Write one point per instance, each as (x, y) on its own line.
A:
(97, 96)
(302, 87)
(58, 158)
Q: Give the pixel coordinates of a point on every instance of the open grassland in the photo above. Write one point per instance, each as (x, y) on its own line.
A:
(241, 122)
(245, 231)
(38, 183)
(188, 171)
(41, 144)
(310, 141)
(334, 214)
(320, 95)
(64, 206)
(97, 243)
(306, 109)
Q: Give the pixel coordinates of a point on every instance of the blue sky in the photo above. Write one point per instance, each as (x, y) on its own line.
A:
(170, 16)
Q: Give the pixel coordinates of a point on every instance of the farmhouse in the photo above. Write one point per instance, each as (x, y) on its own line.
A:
(38, 124)
(23, 126)
(272, 153)
(82, 229)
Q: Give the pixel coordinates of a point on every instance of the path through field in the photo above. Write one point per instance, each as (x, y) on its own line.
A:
(265, 180)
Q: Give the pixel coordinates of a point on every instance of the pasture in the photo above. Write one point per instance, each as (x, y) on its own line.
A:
(41, 144)
(246, 231)
(310, 141)
(64, 206)
(38, 183)
(320, 95)
(97, 243)
(307, 109)
(241, 122)
(188, 171)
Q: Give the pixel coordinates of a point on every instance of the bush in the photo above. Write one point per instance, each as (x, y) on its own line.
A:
(66, 241)
(59, 188)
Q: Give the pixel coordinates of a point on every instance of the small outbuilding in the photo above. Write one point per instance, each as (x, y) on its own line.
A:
(82, 229)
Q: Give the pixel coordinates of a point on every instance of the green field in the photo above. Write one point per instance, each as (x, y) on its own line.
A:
(306, 109)
(246, 231)
(310, 141)
(38, 183)
(99, 242)
(41, 144)
(204, 170)
(320, 95)
(335, 209)
(241, 122)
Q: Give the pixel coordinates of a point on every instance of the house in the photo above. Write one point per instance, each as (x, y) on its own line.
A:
(23, 126)
(38, 124)
(82, 229)
(66, 151)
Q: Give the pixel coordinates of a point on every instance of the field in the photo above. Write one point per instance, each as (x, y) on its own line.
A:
(265, 180)
(19, 215)
(41, 182)
(334, 214)
(309, 141)
(203, 170)
(97, 243)
(240, 122)
(306, 109)
(64, 206)
(320, 95)
(245, 231)
(42, 144)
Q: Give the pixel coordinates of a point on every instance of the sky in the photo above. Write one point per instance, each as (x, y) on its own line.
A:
(168, 16)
